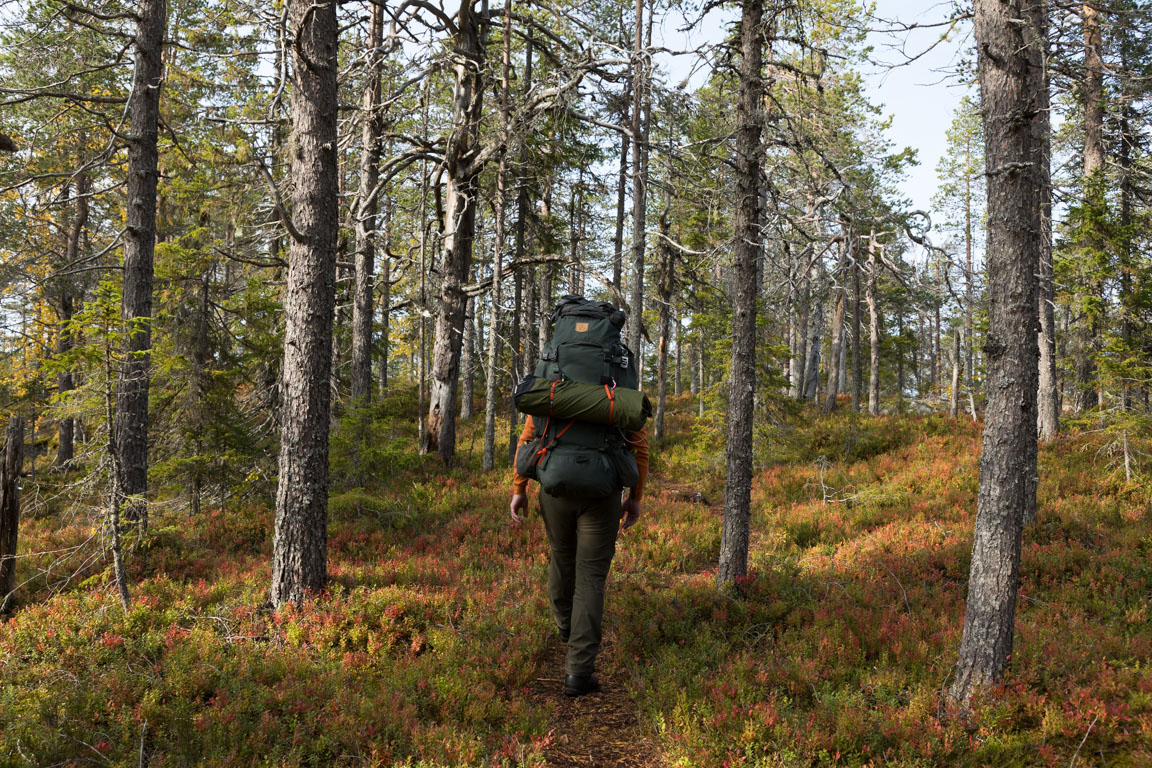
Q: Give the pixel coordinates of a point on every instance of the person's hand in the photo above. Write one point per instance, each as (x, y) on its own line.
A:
(630, 512)
(519, 507)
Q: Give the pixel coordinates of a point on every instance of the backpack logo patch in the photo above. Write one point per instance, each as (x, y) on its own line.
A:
(581, 327)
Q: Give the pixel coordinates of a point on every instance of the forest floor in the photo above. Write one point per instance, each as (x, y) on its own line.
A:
(432, 646)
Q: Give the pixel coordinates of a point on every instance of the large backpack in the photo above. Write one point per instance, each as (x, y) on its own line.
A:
(580, 459)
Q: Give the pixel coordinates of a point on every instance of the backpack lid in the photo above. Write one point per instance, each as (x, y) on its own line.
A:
(578, 306)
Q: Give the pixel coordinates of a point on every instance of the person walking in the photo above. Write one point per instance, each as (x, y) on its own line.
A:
(582, 534)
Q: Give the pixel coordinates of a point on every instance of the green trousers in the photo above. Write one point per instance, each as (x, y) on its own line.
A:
(582, 533)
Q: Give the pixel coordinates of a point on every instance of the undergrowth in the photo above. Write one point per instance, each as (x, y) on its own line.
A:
(426, 649)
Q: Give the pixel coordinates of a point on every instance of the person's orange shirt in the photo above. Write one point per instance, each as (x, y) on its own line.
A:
(637, 441)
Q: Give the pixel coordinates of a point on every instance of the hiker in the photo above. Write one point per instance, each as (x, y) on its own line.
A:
(582, 534)
(585, 443)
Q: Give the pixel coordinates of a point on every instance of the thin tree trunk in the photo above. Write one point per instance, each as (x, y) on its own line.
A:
(621, 190)
(811, 387)
(857, 360)
(665, 292)
(131, 424)
(873, 330)
(954, 397)
(10, 508)
(299, 548)
(1088, 329)
(733, 563)
(65, 449)
(1047, 407)
(468, 362)
(460, 196)
(490, 396)
(1009, 67)
(639, 186)
(367, 206)
(837, 336)
(385, 297)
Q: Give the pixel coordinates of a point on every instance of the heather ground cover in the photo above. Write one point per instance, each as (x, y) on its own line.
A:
(433, 645)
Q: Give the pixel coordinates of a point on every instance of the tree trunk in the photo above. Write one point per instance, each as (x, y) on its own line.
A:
(131, 427)
(299, 549)
(65, 449)
(665, 292)
(1009, 67)
(468, 362)
(621, 190)
(639, 187)
(10, 508)
(367, 206)
(733, 563)
(811, 383)
(954, 398)
(837, 337)
(462, 188)
(1048, 400)
(385, 298)
(490, 391)
(857, 360)
(1088, 329)
(873, 330)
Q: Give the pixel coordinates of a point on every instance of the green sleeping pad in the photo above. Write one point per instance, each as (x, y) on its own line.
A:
(627, 409)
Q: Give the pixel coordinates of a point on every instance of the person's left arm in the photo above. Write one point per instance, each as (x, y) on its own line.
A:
(633, 506)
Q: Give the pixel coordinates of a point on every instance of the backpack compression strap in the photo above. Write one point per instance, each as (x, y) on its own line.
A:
(545, 446)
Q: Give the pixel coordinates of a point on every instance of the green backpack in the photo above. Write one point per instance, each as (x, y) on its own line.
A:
(569, 457)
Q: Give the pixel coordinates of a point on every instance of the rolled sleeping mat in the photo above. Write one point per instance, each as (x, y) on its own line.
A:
(627, 409)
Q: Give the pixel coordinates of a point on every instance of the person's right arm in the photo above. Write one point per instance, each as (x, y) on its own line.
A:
(519, 504)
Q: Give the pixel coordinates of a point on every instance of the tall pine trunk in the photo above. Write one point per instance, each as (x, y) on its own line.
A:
(664, 289)
(837, 338)
(1009, 70)
(1048, 401)
(65, 447)
(1087, 331)
(131, 426)
(873, 329)
(733, 563)
(639, 186)
(462, 188)
(299, 549)
(367, 206)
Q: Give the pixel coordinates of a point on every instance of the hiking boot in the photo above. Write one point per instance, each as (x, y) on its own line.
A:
(578, 685)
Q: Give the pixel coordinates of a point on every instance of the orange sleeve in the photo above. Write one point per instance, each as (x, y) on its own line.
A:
(520, 484)
(638, 442)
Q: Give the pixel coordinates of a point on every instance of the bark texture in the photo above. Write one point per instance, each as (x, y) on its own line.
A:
(461, 190)
(1009, 67)
(742, 372)
(873, 330)
(10, 508)
(131, 426)
(365, 257)
(639, 186)
(299, 558)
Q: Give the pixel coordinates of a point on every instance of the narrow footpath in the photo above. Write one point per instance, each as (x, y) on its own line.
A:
(599, 730)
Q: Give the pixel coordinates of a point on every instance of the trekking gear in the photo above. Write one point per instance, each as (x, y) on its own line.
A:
(579, 685)
(585, 368)
(627, 409)
(586, 346)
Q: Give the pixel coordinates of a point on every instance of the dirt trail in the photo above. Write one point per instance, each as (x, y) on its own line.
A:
(599, 730)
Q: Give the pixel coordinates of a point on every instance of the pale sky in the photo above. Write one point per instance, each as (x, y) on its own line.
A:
(920, 96)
